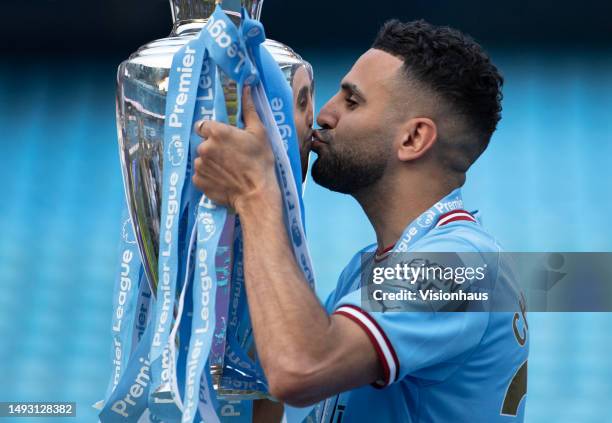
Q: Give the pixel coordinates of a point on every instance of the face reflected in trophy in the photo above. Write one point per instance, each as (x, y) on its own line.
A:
(302, 85)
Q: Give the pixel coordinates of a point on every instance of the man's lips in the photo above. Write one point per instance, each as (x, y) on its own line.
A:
(306, 142)
(316, 144)
(317, 141)
(319, 135)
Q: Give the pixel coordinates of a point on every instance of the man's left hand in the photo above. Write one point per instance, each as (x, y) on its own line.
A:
(234, 164)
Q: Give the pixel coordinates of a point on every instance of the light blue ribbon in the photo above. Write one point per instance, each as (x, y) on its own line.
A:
(127, 296)
(273, 101)
(124, 301)
(128, 401)
(180, 108)
(174, 383)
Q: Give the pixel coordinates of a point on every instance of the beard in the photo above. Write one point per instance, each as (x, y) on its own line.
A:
(349, 169)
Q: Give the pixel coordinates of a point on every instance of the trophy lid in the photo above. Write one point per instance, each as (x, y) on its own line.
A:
(197, 10)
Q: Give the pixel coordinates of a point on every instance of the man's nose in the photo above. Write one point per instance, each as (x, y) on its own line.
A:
(327, 116)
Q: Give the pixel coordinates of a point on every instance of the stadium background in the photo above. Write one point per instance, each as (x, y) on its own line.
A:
(543, 185)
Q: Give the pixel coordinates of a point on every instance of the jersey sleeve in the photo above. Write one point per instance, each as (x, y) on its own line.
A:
(419, 342)
(346, 278)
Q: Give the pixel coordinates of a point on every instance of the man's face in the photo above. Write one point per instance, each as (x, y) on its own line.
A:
(303, 113)
(354, 145)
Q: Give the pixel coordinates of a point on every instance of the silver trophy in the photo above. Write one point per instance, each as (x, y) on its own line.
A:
(142, 85)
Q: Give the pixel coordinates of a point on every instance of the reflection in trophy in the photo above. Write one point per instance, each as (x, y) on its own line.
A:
(302, 85)
(142, 84)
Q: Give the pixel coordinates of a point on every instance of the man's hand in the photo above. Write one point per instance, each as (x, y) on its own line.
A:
(234, 165)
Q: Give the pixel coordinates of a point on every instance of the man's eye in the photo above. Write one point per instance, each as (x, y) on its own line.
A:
(350, 102)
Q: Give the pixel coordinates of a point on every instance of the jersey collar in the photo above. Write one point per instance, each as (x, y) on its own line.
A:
(448, 209)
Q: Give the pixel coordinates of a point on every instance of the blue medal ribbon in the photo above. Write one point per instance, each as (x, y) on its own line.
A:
(153, 376)
(273, 101)
(180, 108)
(129, 293)
(274, 104)
(142, 312)
(128, 401)
(215, 42)
(124, 301)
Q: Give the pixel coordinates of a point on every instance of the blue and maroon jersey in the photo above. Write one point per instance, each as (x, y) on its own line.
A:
(439, 366)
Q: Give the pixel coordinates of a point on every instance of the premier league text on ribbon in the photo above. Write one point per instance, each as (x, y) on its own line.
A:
(186, 73)
(136, 390)
(125, 284)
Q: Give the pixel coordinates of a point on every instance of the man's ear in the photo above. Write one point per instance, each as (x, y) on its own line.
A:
(416, 137)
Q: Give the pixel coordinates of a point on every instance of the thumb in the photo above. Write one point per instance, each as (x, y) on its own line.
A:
(249, 113)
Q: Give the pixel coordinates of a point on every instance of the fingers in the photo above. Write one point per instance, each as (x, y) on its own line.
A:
(211, 129)
(202, 129)
(208, 155)
(198, 181)
(198, 165)
(206, 179)
(201, 178)
(214, 129)
(249, 112)
(214, 132)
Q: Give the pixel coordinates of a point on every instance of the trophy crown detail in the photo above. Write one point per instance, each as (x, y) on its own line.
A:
(197, 10)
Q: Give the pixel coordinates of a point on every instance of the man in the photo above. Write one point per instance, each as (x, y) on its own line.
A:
(412, 115)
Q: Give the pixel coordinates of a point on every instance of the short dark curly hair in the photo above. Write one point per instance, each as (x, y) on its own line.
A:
(455, 68)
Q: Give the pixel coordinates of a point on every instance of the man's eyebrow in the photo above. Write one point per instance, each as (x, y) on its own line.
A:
(353, 90)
